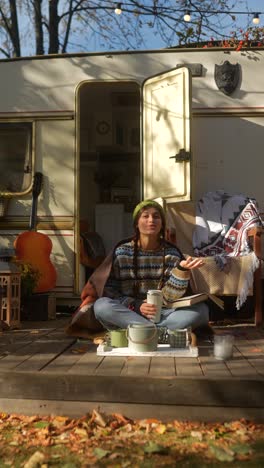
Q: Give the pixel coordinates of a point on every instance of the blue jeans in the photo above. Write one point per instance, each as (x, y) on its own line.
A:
(114, 315)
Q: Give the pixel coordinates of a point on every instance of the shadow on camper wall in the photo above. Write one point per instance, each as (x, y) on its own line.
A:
(226, 149)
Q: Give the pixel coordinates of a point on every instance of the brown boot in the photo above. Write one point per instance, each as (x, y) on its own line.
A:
(205, 331)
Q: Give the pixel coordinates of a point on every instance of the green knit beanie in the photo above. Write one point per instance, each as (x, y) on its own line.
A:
(149, 204)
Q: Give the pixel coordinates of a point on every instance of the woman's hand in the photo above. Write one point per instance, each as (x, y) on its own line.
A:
(190, 263)
(148, 310)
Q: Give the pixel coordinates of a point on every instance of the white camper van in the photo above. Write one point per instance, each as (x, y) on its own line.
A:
(108, 129)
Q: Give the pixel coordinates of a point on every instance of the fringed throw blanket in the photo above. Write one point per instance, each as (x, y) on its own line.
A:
(222, 222)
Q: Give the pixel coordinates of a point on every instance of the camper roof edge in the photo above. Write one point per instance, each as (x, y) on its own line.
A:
(128, 52)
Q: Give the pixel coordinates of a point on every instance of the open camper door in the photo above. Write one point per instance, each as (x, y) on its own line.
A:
(166, 136)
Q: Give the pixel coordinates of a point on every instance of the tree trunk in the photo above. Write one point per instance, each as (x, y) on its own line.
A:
(38, 27)
(68, 28)
(14, 32)
(53, 27)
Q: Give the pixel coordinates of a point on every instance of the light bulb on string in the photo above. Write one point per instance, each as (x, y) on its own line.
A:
(187, 16)
(256, 19)
(118, 9)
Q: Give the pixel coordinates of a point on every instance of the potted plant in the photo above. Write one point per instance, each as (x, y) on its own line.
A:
(29, 281)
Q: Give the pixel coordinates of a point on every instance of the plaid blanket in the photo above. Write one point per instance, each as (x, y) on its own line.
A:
(222, 222)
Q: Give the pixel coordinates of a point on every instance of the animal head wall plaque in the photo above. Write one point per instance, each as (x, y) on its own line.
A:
(227, 77)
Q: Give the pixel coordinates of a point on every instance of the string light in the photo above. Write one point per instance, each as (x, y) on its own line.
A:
(130, 8)
(256, 19)
(187, 16)
(118, 9)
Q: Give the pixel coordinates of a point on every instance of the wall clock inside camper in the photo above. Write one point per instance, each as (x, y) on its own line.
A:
(103, 127)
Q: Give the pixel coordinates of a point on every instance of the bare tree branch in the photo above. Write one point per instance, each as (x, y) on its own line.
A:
(57, 25)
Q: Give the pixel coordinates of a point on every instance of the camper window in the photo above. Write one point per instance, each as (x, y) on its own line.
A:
(15, 157)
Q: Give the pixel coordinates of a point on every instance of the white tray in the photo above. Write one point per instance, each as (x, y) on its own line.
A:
(163, 350)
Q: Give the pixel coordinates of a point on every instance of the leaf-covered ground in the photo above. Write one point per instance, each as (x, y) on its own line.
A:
(100, 440)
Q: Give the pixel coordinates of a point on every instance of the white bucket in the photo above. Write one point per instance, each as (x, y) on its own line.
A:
(142, 338)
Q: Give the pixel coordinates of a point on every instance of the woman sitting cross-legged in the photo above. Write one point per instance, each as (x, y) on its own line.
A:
(148, 262)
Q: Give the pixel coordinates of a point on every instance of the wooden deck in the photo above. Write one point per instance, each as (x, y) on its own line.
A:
(44, 371)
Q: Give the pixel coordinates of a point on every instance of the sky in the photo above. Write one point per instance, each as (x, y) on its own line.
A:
(254, 6)
(153, 41)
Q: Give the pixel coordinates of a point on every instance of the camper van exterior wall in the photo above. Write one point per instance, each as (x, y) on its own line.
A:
(91, 135)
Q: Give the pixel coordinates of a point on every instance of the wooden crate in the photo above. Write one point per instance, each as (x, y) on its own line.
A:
(39, 307)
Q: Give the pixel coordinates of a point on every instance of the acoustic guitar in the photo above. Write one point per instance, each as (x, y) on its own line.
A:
(34, 247)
